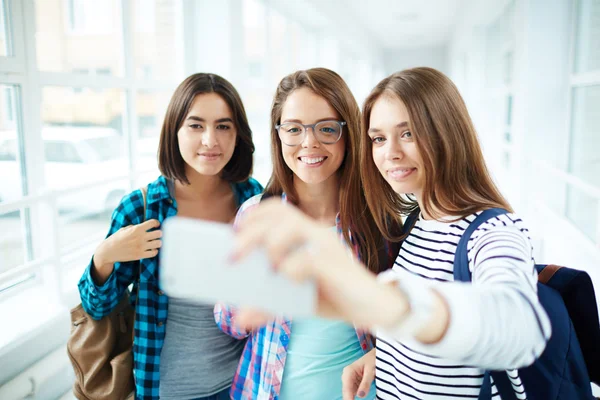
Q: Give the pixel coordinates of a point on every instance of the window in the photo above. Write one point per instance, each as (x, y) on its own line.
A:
(583, 191)
(155, 39)
(587, 49)
(5, 47)
(90, 41)
(89, 17)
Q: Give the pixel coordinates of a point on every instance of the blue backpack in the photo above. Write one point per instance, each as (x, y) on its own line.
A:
(572, 354)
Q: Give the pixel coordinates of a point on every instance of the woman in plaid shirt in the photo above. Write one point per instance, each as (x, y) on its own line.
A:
(205, 159)
(315, 140)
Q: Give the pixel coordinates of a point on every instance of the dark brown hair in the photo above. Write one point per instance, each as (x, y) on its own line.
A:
(355, 216)
(170, 162)
(457, 181)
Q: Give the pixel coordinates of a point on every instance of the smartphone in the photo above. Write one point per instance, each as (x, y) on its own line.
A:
(194, 265)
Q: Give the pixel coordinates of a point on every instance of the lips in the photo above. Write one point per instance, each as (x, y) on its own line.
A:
(312, 160)
(400, 173)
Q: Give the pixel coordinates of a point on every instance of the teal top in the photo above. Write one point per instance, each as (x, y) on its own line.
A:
(318, 351)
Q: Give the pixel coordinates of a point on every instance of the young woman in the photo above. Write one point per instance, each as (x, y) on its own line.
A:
(315, 149)
(205, 159)
(435, 336)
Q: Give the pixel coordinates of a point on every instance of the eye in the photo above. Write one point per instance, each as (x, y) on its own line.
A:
(328, 130)
(406, 135)
(223, 127)
(195, 126)
(378, 140)
(292, 130)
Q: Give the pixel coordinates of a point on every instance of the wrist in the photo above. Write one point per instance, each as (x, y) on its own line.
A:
(100, 260)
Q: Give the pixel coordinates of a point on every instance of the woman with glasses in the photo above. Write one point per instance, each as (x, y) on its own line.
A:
(315, 150)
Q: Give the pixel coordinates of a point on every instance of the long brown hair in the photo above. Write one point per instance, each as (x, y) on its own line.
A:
(170, 162)
(354, 214)
(457, 181)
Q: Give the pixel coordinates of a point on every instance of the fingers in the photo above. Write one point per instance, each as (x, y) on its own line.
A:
(278, 238)
(252, 319)
(153, 245)
(367, 380)
(350, 382)
(149, 253)
(149, 224)
(152, 235)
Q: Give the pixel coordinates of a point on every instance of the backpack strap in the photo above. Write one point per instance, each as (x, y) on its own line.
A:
(461, 257)
(390, 250)
(462, 273)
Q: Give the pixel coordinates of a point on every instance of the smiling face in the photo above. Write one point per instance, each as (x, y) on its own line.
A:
(208, 135)
(395, 152)
(311, 161)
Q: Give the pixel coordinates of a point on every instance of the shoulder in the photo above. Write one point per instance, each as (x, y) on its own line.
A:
(248, 189)
(130, 209)
(249, 204)
(507, 228)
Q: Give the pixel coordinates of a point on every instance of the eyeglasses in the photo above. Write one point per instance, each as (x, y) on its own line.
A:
(326, 132)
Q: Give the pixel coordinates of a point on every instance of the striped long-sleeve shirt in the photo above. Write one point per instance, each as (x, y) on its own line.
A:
(496, 321)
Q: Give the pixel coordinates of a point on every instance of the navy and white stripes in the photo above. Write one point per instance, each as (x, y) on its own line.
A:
(496, 322)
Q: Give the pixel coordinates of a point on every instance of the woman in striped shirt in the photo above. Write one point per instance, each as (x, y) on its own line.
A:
(435, 337)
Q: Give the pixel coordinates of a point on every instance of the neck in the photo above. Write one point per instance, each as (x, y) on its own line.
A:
(319, 201)
(200, 187)
(425, 214)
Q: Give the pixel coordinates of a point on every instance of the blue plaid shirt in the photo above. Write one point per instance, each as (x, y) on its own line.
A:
(152, 305)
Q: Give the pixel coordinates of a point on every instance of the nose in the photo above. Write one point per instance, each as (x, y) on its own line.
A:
(394, 150)
(209, 138)
(310, 140)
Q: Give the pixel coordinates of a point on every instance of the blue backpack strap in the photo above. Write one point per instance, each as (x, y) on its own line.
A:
(461, 257)
(463, 274)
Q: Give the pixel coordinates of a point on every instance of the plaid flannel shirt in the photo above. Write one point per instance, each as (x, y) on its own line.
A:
(152, 304)
(260, 371)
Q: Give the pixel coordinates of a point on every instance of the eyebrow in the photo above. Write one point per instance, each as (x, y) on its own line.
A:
(401, 125)
(194, 118)
(320, 120)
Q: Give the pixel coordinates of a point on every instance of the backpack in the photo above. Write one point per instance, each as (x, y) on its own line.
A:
(572, 355)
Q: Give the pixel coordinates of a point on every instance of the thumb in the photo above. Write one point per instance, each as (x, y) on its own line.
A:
(366, 382)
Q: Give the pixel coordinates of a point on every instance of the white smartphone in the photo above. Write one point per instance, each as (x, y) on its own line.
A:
(194, 265)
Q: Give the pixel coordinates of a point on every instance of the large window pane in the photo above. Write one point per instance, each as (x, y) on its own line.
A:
(155, 39)
(83, 135)
(584, 161)
(583, 210)
(151, 108)
(15, 247)
(5, 47)
(81, 36)
(587, 56)
(85, 214)
(280, 51)
(11, 154)
(255, 40)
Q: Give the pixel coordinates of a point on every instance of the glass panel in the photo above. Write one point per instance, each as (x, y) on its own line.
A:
(81, 36)
(12, 243)
(86, 213)
(584, 160)
(509, 101)
(5, 46)
(155, 39)
(151, 108)
(587, 50)
(83, 135)
(255, 39)
(278, 46)
(11, 154)
(583, 211)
